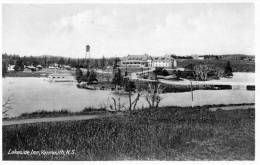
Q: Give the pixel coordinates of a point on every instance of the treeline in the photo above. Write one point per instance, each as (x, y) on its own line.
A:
(217, 57)
(47, 60)
(181, 57)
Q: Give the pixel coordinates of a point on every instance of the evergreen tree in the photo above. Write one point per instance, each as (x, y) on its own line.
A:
(61, 61)
(129, 85)
(103, 62)
(4, 68)
(228, 70)
(117, 79)
(92, 76)
(116, 61)
(78, 74)
(19, 65)
(85, 77)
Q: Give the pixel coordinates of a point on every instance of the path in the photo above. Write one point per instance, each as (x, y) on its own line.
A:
(52, 119)
(232, 107)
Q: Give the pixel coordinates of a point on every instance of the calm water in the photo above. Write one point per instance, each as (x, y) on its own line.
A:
(32, 94)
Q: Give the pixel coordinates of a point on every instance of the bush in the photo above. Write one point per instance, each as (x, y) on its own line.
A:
(161, 71)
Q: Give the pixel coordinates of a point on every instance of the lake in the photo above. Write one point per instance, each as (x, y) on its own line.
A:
(29, 94)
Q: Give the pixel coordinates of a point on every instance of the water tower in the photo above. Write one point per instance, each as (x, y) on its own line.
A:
(87, 55)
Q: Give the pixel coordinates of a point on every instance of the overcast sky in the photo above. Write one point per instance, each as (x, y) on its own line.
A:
(121, 29)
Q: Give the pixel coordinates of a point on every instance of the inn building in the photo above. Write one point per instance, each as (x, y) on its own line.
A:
(148, 61)
(164, 62)
(136, 61)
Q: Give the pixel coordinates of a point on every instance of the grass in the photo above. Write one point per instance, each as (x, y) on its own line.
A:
(41, 73)
(168, 133)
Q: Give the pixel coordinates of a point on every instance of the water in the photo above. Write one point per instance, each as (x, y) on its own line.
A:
(29, 94)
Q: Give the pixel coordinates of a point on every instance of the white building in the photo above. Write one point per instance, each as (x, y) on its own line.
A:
(164, 62)
(10, 68)
(196, 57)
(136, 61)
(148, 61)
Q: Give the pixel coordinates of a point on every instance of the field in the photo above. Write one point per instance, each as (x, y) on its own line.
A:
(237, 65)
(168, 133)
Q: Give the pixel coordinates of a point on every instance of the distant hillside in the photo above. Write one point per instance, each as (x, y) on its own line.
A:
(237, 56)
(227, 57)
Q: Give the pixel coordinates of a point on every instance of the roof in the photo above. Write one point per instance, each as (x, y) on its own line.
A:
(144, 57)
(60, 74)
(162, 58)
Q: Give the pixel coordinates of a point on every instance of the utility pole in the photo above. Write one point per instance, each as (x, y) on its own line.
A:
(191, 94)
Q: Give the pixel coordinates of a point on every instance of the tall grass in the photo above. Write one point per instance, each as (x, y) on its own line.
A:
(157, 134)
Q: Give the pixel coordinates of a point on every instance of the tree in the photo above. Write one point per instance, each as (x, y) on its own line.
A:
(35, 63)
(130, 87)
(161, 71)
(117, 79)
(79, 74)
(103, 62)
(92, 76)
(7, 106)
(61, 61)
(201, 72)
(89, 77)
(85, 76)
(96, 63)
(19, 65)
(45, 61)
(152, 94)
(116, 61)
(4, 68)
(228, 70)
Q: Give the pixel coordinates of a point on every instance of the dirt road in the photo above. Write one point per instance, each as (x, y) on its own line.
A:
(52, 119)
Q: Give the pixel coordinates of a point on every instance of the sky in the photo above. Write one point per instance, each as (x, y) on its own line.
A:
(121, 29)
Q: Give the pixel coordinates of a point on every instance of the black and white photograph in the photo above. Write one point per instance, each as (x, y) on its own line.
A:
(128, 81)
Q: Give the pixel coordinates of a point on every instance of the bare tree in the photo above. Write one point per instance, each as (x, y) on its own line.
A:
(201, 72)
(136, 100)
(117, 105)
(152, 95)
(132, 104)
(7, 106)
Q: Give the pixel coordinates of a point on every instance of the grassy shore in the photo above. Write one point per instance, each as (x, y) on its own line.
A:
(60, 113)
(167, 133)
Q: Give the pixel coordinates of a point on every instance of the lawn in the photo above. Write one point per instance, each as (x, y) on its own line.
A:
(41, 73)
(167, 133)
